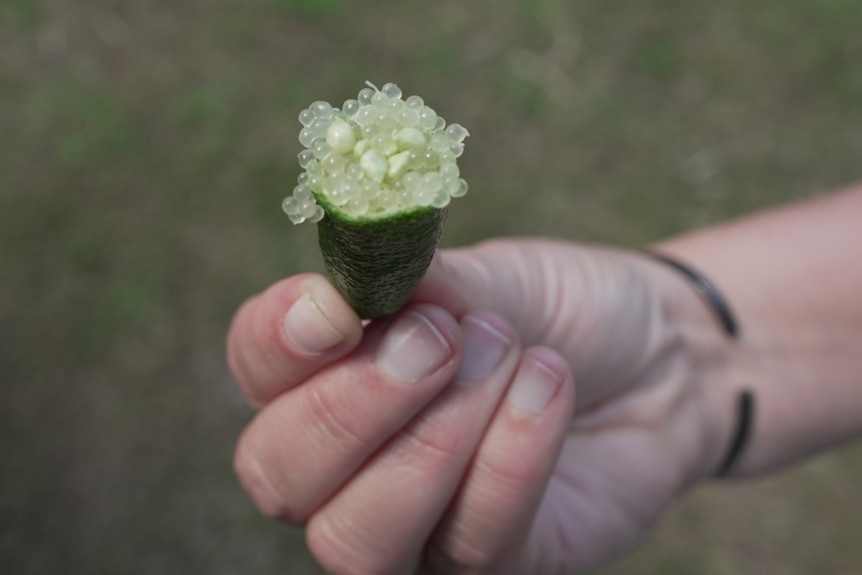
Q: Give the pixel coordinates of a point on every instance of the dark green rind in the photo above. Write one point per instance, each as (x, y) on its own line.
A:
(376, 263)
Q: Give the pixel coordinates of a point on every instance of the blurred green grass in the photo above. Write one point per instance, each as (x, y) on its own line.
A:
(144, 152)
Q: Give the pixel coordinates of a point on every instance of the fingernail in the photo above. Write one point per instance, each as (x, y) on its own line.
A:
(535, 385)
(484, 347)
(308, 329)
(412, 348)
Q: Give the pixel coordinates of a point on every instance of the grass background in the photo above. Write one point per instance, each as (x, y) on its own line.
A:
(146, 145)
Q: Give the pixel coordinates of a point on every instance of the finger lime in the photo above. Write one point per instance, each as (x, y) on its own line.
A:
(379, 175)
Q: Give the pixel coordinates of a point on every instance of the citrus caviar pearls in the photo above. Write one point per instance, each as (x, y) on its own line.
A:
(376, 156)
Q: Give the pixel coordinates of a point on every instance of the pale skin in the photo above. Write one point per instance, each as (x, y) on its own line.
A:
(539, 403)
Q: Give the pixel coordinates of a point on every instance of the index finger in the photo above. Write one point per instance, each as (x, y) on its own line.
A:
(283, 335)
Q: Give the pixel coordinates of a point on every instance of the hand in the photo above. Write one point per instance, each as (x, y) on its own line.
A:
(443, 439)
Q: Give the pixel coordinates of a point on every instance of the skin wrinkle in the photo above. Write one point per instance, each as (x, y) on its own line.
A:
(547, 541)
(666, 399)
(610, 409)
(329, 429)
(249, 468)
(592, 280)
(240, 354)
(616, 374)
(580, 544)
(269, 361)
(559, 535)
(482, 277)
(341, 557)
(519, 274)
(517, 292)
(526, 273)
(695, 337)
(562, 327)
(711, 442)
(561, 525)
(617, 514)
(652, 320)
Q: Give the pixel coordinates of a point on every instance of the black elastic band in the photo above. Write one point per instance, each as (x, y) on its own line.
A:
(745, 399)
(707, 289)
(744, 419)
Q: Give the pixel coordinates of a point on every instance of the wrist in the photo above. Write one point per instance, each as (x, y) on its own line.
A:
(782, 361)
(791, 278)
(707, 333)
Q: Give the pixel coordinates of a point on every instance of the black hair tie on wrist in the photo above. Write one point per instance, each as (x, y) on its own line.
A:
(744, 423)
(708, 291)
(718, 304)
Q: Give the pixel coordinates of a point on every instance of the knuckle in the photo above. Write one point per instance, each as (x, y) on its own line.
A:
(264, 493)
(341, 548)
(335, 423)
(463, 559)
(257, 356)
(237, 362)
(428, 445)
(242, 350)
(506, 475)
(233, 345)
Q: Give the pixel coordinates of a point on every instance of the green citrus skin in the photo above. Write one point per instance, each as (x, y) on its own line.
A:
(377, 262)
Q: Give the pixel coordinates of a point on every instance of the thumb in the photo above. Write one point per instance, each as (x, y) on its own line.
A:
(601, 308)
(522, 280)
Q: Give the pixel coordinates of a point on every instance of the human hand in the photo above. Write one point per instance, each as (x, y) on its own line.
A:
(443, 439)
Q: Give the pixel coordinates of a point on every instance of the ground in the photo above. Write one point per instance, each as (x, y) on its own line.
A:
(145, 148)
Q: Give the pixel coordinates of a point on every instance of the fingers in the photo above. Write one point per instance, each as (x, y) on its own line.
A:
(400, 442)
(288, 332)
(310, 440)
(380, 521)
(494, 509)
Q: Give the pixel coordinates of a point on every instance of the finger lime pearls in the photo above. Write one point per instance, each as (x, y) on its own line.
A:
(378, 177)
(378, 155)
